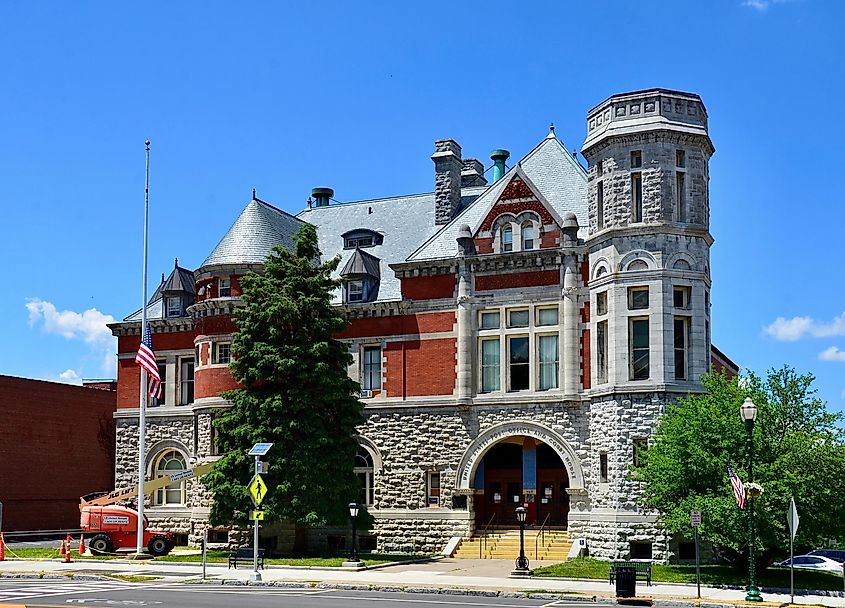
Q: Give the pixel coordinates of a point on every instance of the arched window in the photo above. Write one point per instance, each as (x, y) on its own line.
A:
(601, 271)
(529, 236)
(507, 238)
(682, 265)
(364, 470)
(637, 265)
(174, 494)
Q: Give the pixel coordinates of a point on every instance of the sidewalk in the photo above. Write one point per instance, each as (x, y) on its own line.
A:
(452, 574)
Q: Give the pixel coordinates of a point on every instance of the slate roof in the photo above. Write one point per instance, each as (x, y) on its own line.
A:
(259, 227)
(181, 279)
(555, 173)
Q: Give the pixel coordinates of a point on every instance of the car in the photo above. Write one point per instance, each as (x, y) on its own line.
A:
(813, 562)
(834, 554)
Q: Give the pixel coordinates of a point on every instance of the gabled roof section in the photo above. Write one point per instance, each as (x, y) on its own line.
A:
(181, 279)
(362, 263)
(555, 175)
(517, 187)
(251, 238)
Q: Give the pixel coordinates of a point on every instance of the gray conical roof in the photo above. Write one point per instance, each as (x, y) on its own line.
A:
(361, 262)
(253, 235)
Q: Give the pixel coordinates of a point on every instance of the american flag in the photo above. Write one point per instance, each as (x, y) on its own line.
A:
(738, 487)
(146, 358)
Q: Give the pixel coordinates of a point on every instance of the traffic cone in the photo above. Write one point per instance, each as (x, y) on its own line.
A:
(2, 548)
(81, 544)
(62, 549)
(67, 551)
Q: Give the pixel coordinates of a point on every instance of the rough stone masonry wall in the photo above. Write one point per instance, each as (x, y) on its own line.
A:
(617, 517)
(413, 442)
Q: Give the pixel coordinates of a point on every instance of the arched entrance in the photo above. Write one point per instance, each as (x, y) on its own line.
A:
(521, 471)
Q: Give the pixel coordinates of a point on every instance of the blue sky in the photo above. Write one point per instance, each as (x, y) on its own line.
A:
(287, 96)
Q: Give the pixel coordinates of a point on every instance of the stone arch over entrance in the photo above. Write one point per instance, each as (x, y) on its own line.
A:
(496, 433)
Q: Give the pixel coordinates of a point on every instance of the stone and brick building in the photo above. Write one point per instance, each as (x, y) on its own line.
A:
(56, 445)
(516, 332)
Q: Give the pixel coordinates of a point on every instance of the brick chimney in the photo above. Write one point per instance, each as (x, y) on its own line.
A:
(447, 179)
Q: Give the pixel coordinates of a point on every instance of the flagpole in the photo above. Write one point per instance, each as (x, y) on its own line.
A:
(142, 400)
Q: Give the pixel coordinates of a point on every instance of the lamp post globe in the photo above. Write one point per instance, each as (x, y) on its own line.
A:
(353, 515)
(748, 413)
(521, 561)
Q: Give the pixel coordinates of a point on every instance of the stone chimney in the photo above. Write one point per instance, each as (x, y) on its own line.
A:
(473, 173)
(447, 179)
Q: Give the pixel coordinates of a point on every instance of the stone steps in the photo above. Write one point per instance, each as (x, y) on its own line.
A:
(504, 544)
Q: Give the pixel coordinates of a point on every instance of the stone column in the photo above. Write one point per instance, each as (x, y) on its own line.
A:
(463, 384)
(571, 344)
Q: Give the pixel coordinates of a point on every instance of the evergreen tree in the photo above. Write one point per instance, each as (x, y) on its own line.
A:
(798, 452)
(296, 394)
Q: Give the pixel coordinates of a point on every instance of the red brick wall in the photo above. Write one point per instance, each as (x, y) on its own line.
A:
(211, 381)
(217, 324)
(399, 326)
(519, 279)
(426, 288)
(550, 239)
(50, 452)
(128, 372)
(484, 245)
(417, 368)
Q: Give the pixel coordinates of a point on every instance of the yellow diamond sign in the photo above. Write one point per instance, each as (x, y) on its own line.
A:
(257, 489)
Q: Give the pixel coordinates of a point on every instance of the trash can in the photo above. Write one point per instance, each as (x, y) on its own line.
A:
(626, 582)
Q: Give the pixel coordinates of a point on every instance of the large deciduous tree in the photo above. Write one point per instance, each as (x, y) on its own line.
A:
(296, 394)
(798, 452)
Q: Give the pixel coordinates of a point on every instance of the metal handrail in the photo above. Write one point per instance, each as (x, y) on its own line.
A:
(543, 532)
(482, 542)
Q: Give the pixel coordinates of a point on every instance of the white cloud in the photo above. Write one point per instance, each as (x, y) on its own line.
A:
(69, 376)
(791, 330)
(832, 354)
(760, 5)
(88, 325)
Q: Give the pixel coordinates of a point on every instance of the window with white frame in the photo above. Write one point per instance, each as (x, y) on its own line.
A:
(601, 303)
(433, 488)
(225, 287)
(521, 354)
(681, 296)
(365, 472)
(222, 353)
(186, 380)
(638, 341)
(162, 374)
(529, 236)
(168, 463)
(548, 359)
(490, 365)
(601, 352)
(519, 363)
(371, 368)
(507, 238)
(637, 298)
(355, 290)
(174, 306)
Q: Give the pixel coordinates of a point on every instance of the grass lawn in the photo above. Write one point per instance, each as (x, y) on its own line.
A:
(222, 557)
(48, 552)
(710, 575)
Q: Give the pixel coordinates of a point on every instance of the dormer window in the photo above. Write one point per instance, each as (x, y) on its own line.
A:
(225, 289)
(507, 238)
(361, 238)
(174, 307)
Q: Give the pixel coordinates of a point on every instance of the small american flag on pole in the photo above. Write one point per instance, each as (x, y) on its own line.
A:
(146, 358)
(738, 487)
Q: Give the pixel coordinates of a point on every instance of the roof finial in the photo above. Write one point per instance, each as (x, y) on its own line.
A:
(551, 134)
(253, 194)
(177, 262)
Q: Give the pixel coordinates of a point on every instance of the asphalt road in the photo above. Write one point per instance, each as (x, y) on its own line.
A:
(164, 595)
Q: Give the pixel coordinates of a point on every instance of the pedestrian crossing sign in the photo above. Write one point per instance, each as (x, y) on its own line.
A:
(257, 489)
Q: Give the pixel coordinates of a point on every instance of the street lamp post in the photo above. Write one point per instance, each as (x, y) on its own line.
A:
(748, 411)
(353, 515)
(521, 561)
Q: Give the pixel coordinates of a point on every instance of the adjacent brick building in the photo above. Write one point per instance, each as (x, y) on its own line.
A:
(56, 445)
(515, 340)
